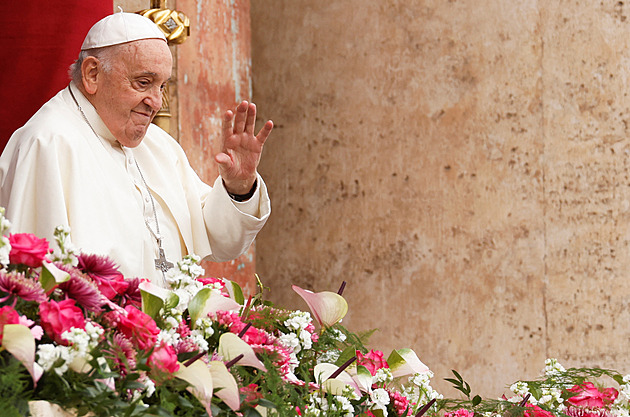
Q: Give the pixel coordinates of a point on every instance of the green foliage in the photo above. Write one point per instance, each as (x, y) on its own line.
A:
(15, 386)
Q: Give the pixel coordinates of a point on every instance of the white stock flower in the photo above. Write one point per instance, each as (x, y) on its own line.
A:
(5, 250)
(383, 375)
(552, 367)
(291, 341)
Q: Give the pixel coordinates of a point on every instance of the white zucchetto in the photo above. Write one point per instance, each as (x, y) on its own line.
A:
(121, 28)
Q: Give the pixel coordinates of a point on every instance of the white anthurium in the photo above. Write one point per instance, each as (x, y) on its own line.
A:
(80, 364)
(207, 301)
(404, 362)
(223, 379)
(234, 290)
(198, 375)
(18, 340)
(230, 346)
(337, 385)
(155, 298)
(51, 276)
(362, 377)
(327, 307)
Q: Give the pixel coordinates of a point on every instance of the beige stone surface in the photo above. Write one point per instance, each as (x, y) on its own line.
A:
(462, 164)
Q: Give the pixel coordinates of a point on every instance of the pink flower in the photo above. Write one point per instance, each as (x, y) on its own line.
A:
(163, 359)
(462, 412)
(536, 411)
(210, 281)
(27, 249)
(138, 327)
(373, 360)
(251, 393)
(401, 404)
(58, 317)
(589, 396)
(82, 289)
(104, 272)
(18, 285)
(36, 331)
(8, 315)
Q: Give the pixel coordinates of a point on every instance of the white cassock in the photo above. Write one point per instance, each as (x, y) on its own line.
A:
(56, 171)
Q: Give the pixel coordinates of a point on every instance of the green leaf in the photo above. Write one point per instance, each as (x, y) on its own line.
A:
(51, 276)
(266, 403)
(476, 400)
(347, 353)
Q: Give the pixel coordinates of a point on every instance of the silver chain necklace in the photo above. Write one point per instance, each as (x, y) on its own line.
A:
(161, 263)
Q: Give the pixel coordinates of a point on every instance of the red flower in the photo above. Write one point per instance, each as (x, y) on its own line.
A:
(8, 315)
(535, 411)
(163, 359)
(589, 396)
(58, 317)
(27, 249)
(462, 412)
(17, 285)
(104, 272)
(373, 360)
(251, 393)
(401, 404)
(138, 327)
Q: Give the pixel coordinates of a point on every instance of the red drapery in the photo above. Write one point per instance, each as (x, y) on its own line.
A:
(38, 42)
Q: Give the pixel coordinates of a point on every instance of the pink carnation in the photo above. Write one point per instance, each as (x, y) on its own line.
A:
(401, 404)
(27, 249)
(163, 359)
(138, 327)
(373, 360)
(462, 412)
(589, 396)
(8, 315)
(58, 317)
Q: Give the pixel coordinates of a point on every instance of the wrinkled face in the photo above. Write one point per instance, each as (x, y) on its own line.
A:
(129, 94)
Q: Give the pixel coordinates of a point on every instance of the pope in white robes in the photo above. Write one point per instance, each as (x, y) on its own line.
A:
(122, 185)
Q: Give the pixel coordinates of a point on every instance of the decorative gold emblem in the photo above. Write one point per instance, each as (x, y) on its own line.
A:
(174, 24)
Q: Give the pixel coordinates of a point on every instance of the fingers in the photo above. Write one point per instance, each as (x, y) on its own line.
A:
(227, 125)
(242, 117)
(264, 132)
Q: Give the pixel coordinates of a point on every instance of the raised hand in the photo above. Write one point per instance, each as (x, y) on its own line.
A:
(241, 150)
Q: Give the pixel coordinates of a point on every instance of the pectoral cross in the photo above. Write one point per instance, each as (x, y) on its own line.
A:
(161, 263)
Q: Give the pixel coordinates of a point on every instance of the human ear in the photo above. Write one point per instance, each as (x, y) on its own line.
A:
(90, 69)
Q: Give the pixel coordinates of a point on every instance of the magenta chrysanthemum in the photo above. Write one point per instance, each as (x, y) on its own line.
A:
(82, 289)
(587, 412)
(18, 285)
(98, 266)
(122, 353)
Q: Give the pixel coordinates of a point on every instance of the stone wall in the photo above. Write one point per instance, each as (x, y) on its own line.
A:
(463, 165)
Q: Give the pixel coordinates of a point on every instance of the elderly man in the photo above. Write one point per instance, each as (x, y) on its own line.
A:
(90, 159)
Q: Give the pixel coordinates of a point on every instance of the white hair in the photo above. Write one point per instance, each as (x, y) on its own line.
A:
(105, 56)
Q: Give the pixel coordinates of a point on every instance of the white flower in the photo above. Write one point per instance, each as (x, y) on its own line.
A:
(379, 396)
(383, 375)
(197, 337)
(552, 367)
(291, 341)
(329, 356)
(5, 250)
(298, 320)
(520, 388)
(5, 224)
(337, 334)
(49, 355)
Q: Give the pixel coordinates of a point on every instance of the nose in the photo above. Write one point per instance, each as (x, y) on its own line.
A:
(154, 98)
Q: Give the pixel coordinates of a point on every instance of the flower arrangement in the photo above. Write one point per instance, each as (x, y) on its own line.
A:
(75, 332)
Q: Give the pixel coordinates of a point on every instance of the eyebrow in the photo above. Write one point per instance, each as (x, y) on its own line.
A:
(152, 74)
